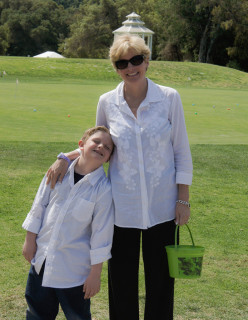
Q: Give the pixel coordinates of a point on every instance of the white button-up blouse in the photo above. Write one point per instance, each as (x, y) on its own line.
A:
(152, 155)
(74, 223)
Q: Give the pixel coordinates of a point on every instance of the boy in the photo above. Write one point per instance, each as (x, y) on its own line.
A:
(69, 234)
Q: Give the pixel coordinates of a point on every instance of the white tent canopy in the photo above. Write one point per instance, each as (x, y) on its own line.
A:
(49, 54)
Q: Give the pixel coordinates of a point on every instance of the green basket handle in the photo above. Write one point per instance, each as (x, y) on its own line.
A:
(189, 233)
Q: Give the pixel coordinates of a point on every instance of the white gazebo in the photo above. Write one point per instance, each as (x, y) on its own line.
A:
(134, 25)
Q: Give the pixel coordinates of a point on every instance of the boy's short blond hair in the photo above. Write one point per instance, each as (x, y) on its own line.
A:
(122, 44)
(89, 132)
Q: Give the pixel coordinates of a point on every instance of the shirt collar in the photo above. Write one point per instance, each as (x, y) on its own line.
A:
(91, 177)
(153, 94)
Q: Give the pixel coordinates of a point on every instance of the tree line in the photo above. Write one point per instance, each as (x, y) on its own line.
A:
(208, 31)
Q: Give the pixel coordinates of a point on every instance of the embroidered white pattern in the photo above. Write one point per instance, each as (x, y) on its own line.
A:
(158, 135)
(155, 130)
(121, 131)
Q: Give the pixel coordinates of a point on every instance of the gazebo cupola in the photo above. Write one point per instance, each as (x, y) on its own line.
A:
(134, 25)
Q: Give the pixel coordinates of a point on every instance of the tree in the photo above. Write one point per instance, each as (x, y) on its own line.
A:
(4, 41)
(69, 3)
(91, 34)
(232, 16)
(211, 31)
(187, 25)
(31, 26)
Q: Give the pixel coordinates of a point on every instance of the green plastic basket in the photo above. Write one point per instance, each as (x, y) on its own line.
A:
(185, 261)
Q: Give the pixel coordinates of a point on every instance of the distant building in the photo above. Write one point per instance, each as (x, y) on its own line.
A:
(135, 26)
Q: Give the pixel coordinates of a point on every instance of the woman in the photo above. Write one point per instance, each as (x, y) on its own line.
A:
(150, 172)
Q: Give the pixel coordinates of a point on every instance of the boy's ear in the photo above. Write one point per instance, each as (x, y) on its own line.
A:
(80, 144)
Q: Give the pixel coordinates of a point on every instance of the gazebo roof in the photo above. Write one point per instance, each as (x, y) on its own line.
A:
(133, 25)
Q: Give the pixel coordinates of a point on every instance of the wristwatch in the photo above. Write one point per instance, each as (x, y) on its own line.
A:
(63, 156)
(186, 203)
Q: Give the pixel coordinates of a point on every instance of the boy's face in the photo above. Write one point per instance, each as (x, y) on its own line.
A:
(97, 147)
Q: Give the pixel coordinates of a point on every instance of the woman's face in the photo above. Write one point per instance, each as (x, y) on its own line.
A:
(133, 74)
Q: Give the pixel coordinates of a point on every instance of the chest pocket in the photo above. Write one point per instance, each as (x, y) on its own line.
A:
(84, 211)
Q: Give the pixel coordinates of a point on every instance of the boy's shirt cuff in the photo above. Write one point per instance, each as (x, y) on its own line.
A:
(32, 224)
(100, 255)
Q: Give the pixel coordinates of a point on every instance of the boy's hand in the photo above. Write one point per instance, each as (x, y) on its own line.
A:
(30, 246)
(92, 284)
(57, 172)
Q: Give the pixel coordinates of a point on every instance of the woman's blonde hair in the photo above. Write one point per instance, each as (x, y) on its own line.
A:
(122, 44)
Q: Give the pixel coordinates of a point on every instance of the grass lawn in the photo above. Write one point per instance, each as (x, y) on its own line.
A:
(35, 127)
(63, 111)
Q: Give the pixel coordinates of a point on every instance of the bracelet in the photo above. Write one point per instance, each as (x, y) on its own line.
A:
(186, 203)
(63, 156)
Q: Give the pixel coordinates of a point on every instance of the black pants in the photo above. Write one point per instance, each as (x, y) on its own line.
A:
(123, 273)
(43, 302)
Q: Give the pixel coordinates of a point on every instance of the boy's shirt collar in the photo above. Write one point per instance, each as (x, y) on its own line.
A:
(91, 177)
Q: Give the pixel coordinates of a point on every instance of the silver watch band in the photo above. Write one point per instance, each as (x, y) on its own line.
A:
(186, 203)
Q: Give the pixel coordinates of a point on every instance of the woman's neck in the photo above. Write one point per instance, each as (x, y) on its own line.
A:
(136, 91)
(134, 95)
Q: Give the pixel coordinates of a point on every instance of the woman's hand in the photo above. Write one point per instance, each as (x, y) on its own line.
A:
(182, 214)
(182, 210)
(57, 172)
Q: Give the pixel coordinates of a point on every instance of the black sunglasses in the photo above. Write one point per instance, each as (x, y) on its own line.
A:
(135, 61)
